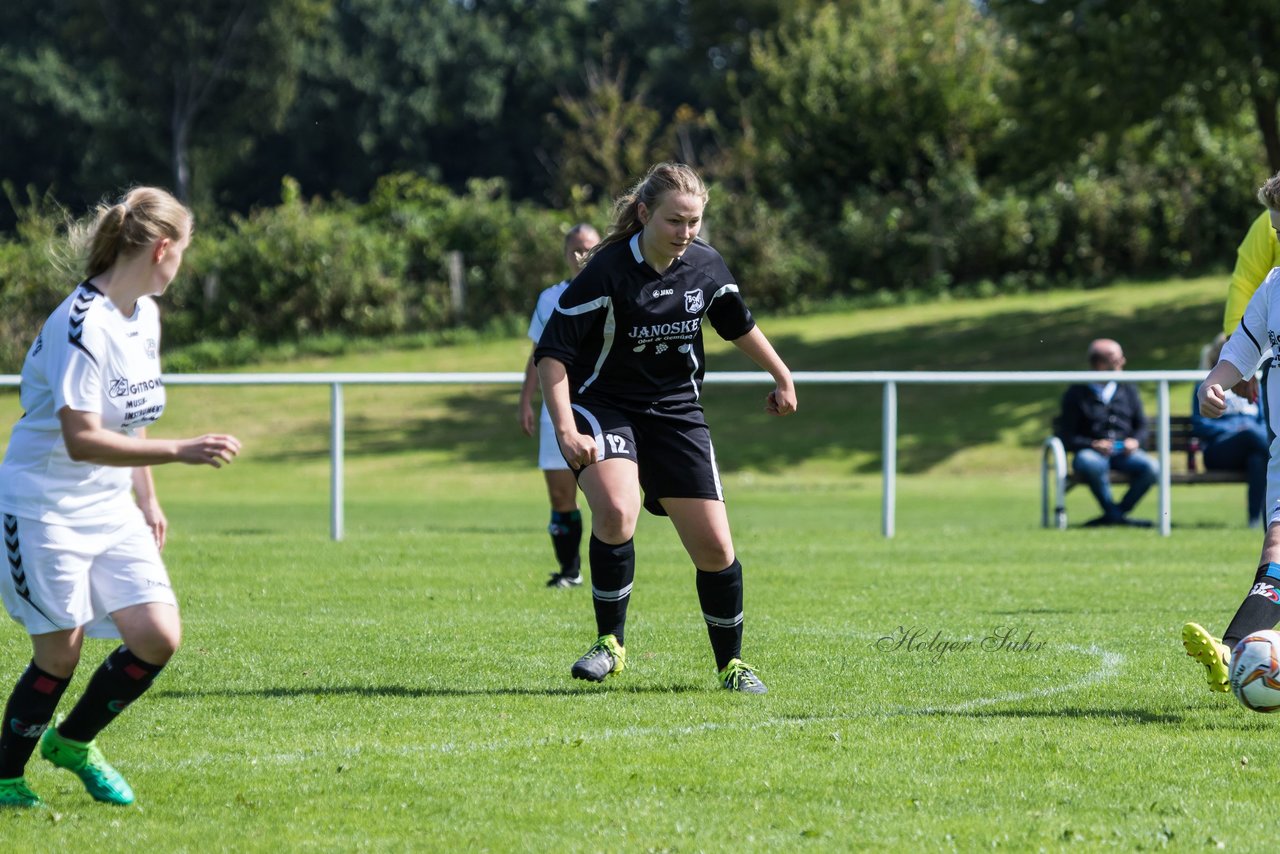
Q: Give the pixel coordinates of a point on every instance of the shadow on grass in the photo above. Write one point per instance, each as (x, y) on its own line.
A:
(1133, 716)
(1022, 612)
(404, 691)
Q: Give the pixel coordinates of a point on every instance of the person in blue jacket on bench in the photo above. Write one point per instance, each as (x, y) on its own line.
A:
(1104, 425)
(1236, 441)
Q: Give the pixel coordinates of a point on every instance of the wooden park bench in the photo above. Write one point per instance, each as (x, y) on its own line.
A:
(1056, 478)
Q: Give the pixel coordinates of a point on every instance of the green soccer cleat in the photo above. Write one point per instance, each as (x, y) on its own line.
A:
(101, 781)
(1210, 652)
(738, 676)
(16, 793)
(605, 657)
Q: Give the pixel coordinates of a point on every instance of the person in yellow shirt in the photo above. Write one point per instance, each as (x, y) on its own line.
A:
(1258, 253)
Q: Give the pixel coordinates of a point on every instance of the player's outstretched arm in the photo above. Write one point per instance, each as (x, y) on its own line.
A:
(88, 441)
(782, 400)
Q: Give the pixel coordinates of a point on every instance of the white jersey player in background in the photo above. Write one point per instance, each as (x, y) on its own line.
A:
(82, 527)
(562, 487)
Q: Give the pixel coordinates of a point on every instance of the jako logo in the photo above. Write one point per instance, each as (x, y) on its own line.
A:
(666, 293)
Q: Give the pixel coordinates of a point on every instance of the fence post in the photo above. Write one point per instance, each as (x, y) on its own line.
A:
(336, 439)
(1166, 497)
(889, 453)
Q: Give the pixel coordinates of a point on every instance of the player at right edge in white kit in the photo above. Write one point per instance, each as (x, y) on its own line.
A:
(1257, 335)
(82, 527)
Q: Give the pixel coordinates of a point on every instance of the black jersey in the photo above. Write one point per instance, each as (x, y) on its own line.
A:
(630, 335)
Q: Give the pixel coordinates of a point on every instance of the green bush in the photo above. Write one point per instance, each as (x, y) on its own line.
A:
(31, 283)
(509, 250)
(300, 269)
(307, 272)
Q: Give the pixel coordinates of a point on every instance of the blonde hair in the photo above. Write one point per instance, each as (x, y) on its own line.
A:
(142, 216)
(661, 179)
(1269, 193)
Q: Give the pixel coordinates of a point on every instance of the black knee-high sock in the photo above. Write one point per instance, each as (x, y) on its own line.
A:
(28, 712)
(1260, 609)
(613, 568)
(720, 594)
(566, 539)
(120, 680)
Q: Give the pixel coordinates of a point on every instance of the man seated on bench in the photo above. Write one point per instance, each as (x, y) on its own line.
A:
(1235, 441)
(1103, 423)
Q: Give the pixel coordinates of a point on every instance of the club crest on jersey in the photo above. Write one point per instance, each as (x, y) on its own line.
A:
(151, 348)
(693, 301)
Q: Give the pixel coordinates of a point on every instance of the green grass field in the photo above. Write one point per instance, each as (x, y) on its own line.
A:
(408, 688)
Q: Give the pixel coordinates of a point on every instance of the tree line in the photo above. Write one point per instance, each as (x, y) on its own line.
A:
(855, 148)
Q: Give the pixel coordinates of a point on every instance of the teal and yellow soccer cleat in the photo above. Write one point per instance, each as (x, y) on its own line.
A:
(738, 676)
(1210, 652)
(16, 793)
(605, 657)
(101, 781)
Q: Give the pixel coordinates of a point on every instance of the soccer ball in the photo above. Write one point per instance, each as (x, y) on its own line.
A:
(1255, 671)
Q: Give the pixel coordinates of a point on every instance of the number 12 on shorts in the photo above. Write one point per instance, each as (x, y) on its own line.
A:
(617, 445)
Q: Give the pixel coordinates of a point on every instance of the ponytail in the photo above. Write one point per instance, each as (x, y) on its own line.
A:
(142, 216)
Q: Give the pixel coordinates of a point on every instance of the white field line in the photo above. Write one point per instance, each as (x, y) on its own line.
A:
(1109, 664)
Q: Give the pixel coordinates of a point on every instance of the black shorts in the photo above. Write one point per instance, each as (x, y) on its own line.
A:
(671, 448)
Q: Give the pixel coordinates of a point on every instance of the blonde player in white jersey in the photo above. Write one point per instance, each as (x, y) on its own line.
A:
(82, 526)
(562, 487)
(1257, 336)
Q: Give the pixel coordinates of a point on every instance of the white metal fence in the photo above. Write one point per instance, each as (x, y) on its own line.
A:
(889, 380)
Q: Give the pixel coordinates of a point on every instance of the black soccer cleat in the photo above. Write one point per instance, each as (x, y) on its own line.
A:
(605, 657)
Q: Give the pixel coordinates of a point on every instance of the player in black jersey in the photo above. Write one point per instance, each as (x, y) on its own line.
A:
(621, 366)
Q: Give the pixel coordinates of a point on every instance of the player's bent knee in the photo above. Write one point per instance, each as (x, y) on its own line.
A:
(60, 664)
(613, 534)
(614, 522)
(714, 560)
(153, 633)
(156, 648)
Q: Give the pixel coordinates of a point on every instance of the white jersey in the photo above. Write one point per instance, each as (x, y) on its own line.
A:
(1258, 335)
(546, 306)
(91, 358)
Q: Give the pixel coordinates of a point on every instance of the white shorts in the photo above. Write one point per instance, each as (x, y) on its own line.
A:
(58, 577)
(549, 456)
